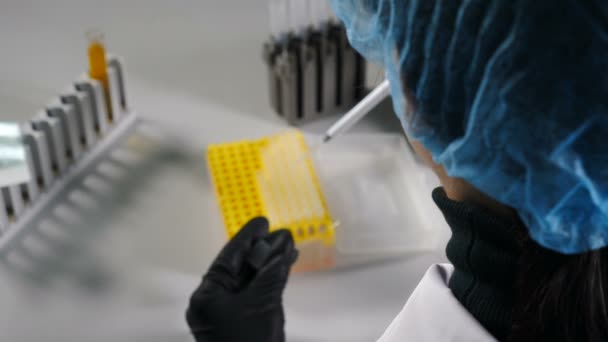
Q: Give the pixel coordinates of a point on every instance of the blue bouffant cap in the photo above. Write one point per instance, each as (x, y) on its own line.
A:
(511, 95)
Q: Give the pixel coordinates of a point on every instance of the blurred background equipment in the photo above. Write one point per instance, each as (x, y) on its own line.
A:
(61, 143)
(312, 69)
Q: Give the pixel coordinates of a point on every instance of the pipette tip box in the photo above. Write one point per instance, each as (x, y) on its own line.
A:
(274, 177)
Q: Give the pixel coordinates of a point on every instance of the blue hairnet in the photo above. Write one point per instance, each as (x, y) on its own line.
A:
(511, 95)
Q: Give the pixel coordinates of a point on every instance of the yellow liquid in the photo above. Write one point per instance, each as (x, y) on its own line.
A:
(98, 69)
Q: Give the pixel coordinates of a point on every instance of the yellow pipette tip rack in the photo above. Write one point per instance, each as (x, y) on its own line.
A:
(274, 177)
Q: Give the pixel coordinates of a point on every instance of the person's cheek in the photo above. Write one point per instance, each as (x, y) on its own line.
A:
(421, 152)
(427, 158)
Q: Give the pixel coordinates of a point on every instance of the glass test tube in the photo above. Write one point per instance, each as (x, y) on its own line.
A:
(318, 13)
(274, 17)
(298, 16)
(98, 69)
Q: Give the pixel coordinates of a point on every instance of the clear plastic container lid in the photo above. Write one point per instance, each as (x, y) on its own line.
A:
(380, 194)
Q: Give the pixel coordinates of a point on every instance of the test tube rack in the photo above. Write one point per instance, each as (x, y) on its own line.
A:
(314, 73)
(274, 177)
(64, 142)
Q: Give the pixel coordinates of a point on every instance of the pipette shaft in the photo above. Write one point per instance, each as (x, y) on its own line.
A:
(358, 112)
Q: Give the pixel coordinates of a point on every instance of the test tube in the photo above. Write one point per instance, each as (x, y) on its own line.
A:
(318, 13)
(330, 16)
(4, 220)
(279, 19)
(98, 69)
(298, 16)
(31, 188)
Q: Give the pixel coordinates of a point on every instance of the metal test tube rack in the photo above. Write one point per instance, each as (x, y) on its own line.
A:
(314, 74)
(63, 143)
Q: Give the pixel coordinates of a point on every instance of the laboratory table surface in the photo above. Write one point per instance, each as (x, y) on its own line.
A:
(123, 250)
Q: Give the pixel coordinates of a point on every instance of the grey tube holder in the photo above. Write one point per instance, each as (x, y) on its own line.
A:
(314, 75)
(63, 142)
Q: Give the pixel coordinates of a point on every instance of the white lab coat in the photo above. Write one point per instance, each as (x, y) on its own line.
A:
(432, 313)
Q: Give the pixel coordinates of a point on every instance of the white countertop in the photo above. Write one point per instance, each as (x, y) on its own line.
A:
(129, 246)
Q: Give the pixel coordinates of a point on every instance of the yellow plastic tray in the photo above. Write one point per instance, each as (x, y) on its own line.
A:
(274, 177)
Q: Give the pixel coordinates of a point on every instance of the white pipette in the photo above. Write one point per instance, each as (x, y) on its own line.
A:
(358, 112)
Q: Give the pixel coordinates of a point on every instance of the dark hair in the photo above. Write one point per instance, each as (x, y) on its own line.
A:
(561, 297)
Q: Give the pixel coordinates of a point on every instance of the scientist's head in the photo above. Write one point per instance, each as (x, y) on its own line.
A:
(507, 95)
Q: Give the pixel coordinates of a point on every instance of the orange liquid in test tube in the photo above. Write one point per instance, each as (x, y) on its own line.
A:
(98, 69)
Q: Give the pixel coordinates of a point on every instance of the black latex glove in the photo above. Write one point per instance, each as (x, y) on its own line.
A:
(237, 302)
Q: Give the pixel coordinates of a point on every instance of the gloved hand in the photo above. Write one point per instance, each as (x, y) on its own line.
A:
(237, 302)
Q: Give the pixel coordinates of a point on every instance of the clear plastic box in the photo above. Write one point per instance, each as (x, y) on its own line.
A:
(379, 194)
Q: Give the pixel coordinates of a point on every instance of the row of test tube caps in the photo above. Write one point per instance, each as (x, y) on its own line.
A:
(297, 16)
(62, 134)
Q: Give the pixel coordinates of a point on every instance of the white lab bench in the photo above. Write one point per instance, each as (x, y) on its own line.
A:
(127, 247)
